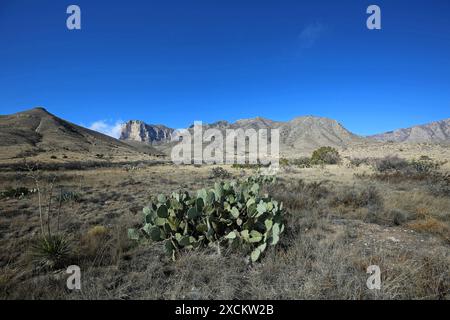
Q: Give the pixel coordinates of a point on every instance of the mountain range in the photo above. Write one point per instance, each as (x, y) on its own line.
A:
(36, 130)
(301, 134)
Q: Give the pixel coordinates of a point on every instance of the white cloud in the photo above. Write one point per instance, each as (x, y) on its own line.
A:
(112, 129)
(310, 34)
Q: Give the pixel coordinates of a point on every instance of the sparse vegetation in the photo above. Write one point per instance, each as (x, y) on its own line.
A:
(359, 197)
(335, 226)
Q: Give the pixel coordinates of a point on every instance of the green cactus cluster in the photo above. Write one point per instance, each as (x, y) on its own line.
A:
(232, 213)
(261, 179)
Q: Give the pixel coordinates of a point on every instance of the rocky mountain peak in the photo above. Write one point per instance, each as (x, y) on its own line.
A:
(136, 130)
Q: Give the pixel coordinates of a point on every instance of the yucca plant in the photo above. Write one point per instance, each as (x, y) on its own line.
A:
(51, 252)
(51, 249)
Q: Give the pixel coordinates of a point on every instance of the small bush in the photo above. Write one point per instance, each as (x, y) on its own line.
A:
(16, 192)
(303, 162)
(400, 217)
(325, 155)
(66, 196)
(358, 198)
(97, 232)
(439, 185)
(248, 166)
(219, 173)
(394, 164)
(391, 163)
(299, 195)
(423, 166)
(284, 162)
(93, 241)
(357, 162)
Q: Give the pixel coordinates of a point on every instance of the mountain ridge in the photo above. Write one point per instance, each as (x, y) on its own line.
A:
(434, 132)
(35, 131)
(304, 133)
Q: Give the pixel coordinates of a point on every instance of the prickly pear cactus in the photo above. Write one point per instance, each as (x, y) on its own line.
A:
(232, 213)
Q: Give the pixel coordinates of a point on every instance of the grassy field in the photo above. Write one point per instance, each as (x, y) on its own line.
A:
(340, 219)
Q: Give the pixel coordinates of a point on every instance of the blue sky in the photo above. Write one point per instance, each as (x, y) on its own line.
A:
(174, 62)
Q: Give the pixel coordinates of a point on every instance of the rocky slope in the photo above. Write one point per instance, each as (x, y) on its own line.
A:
(136, 130)
(298, 136)
(37, 131)
(434, 132)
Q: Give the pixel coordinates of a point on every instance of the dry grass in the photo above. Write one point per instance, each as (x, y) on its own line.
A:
(336, 227)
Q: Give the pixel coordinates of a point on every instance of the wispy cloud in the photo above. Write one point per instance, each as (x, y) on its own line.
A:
(310, 34)
(109, 128)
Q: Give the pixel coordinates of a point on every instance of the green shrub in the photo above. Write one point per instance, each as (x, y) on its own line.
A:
(303, 162)
(16, 192)
(325, 155)
(284, 162)
(220, 173)
(66, 196)
(232, 213)
(248, 165)
(423, 165)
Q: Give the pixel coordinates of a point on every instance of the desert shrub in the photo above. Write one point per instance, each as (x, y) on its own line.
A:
(303, 162)
(393, 217)
(425, 170)
(325, 155)
(248, 165)
(66, 196)
(423, 166)
(50, 252)
(399, 217)
(390, 163)
(93, 241)
(357, 162)
(394, 164)
(439, 185)
(284, 162)
(367, 196)
(220, 173)
(232, 213)
(16, 192)
(299, 195)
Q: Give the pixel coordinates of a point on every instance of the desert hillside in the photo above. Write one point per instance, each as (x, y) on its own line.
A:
(38, 134)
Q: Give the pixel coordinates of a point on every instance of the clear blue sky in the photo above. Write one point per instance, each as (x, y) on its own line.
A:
(174, 62)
